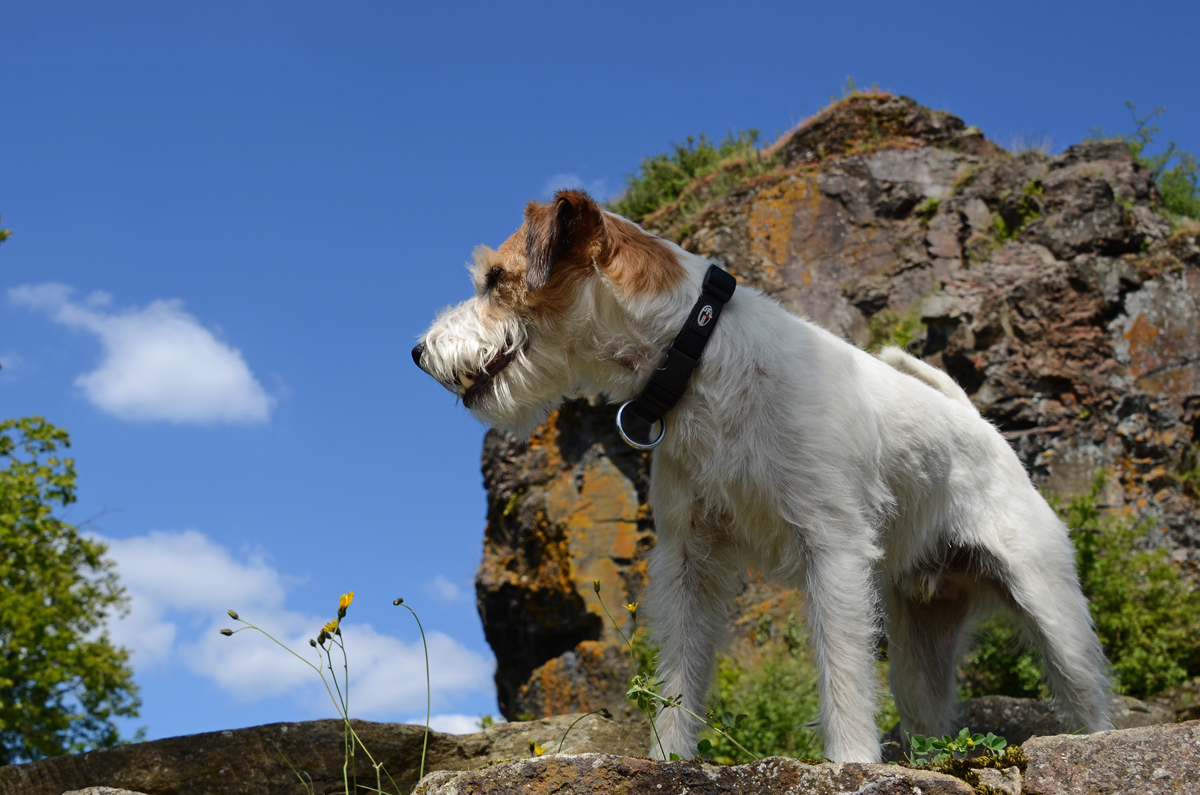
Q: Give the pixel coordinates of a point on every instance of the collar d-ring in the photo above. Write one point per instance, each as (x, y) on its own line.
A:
(662, 432)
(669, 381)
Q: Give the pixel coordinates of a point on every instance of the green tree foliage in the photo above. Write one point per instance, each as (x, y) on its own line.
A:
(664, 176)
(1179, 185)
(62, 682)
(1145, 615)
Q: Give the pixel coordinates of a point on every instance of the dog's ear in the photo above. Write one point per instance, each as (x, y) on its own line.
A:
(565, 230)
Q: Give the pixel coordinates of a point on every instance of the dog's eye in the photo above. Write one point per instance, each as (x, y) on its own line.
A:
(493, 278)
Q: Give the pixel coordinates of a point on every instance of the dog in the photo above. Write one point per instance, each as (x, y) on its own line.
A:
(870, 482)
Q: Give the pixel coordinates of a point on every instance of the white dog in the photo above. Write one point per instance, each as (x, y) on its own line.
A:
(871, 483)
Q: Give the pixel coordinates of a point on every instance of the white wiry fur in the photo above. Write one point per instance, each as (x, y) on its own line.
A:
(871, 483)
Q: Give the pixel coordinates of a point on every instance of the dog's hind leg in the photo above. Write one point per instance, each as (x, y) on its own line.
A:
(841, 615)
(926, 637)
(691, 584)
(1045, 594)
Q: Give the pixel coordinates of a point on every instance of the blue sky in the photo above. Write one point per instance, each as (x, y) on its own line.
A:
(231, 221)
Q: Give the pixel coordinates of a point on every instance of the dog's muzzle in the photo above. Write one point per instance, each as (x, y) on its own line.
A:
(471, 387)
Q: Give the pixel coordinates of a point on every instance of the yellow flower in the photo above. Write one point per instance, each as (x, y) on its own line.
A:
(331, 627)
(535, 749)
(631, 607)
(344, 602)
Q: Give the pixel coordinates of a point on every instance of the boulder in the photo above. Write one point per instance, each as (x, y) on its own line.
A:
(1147, 761)
(265, 760)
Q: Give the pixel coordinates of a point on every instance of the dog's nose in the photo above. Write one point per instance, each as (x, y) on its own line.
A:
(418, 352)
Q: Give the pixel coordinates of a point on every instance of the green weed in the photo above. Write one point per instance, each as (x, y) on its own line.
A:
(1188, 474)
(1180, 184)
(886, 328)
(927, 209)
(963, 745)
(668, 177)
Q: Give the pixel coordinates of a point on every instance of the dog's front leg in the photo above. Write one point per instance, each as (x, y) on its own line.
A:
(691, 584)
(841, 616)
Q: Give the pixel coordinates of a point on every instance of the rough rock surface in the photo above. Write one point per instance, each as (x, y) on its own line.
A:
(1152, 760)
(1147, 761)
(256, 761)
(599, 773)
(1046, 285)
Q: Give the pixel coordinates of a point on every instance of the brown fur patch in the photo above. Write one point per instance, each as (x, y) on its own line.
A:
(542, 265)
(636, 261)
(566, 232)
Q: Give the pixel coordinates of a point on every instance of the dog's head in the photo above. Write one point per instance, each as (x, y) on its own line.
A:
(577, 301)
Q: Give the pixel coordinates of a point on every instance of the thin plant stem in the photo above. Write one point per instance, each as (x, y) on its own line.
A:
(601, 711)
(347, 746)
(306, 784)
(428, 691)
(722, 732)
(336, 705)
(616, 626)
(632, 661)
(340, 639)
(657, 739)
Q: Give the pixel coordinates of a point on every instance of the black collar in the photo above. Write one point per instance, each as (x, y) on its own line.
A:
(668, 383)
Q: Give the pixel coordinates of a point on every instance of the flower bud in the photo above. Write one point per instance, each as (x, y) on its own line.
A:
(227, 632)
(312, 643)
(596, 585)
(233, 614)
(399, 601)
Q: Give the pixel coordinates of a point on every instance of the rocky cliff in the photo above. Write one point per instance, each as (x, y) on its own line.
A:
(1049, 287)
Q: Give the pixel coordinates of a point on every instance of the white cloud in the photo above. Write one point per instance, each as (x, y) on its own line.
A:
(444, 589)
(598, 188)
(159, 362)
(180, 586)
(451, 724)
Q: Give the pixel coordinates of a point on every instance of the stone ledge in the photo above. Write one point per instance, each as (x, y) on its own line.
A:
(252, 761)
(589, 774)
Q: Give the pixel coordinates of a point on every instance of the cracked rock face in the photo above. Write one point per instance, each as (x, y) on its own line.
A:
(1048, 287)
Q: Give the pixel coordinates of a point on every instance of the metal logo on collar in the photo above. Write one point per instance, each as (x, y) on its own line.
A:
(706, 314)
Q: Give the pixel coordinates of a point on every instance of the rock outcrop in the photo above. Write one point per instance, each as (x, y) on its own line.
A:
(1153, 760)
(1047, 286)
(274, 759)
(598, 756)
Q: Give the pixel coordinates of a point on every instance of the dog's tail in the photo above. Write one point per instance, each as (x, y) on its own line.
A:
(930, 375)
